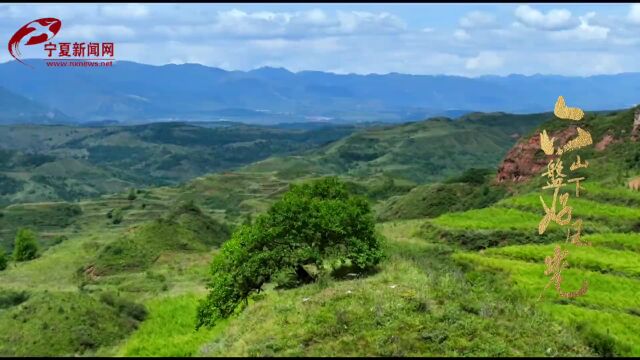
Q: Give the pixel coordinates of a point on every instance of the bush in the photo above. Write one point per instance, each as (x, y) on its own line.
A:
(132, 195)
(26, 246)
(59, 239)
(3, 260)
(9, 298)
(474, 176)
(313, 224)
(124, 307)
(116, 216)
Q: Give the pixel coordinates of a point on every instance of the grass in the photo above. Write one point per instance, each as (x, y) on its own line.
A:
(592, 258)
(606, 317)
(618, 241)
(582, 208)
(85, 324)
(606, 314)
(419, 303)
(428, 298)
(61, 323)
(169, 329)
(185, 228)
(605, 291)
(619, 195)
(435, 199)
(489, 219)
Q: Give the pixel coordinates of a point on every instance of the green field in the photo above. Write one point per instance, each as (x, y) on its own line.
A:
(607, 314)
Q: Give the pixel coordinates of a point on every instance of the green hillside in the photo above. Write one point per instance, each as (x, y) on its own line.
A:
(420, 152)
(48, 163)
(607, 315)
(464, 261)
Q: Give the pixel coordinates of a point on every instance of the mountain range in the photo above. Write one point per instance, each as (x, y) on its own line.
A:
(133, 92)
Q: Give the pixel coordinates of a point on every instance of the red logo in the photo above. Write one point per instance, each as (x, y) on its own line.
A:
(41, 30)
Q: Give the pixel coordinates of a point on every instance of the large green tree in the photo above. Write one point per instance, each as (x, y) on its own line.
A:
(26, 245)
(316, 223)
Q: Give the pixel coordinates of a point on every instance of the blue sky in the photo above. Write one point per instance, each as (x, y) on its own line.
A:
(454, 39)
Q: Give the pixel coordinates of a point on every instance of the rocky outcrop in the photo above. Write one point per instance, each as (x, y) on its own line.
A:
(606, 141)
(635, 131)
(526, 159)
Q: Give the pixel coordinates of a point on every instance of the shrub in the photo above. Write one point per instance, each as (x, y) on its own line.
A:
(313, 224)
(132, 195)
(116, 216)
(59, 239)
(9, 298)
(472, 176)
(124, 307)
(26, 246)
(3, 260)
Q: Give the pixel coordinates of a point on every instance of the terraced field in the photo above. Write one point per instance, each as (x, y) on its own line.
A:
(608, 315)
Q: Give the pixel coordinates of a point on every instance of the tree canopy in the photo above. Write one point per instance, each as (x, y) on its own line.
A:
(316, 223)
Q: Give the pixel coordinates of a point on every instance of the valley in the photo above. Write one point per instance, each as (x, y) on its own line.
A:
(121, 271)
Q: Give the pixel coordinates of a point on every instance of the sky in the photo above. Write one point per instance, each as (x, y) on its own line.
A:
(453, 39)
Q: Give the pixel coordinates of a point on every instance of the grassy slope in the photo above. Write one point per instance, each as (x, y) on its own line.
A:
(155, 338)
(51, 281)
(419, 293)
(607, 315)
(611, 266)
(419, 152)
(70, 162)
(430, 289)
(419, 303)
(60, 323)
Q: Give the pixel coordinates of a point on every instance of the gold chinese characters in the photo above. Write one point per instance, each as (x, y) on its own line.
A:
(559, 210)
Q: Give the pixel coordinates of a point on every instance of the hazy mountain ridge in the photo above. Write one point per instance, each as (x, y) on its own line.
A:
(130, 91)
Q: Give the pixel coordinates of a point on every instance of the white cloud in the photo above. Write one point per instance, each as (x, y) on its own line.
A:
(97, 32)
(125, 11)
(461, 34)
(634, 13)
(484, 61)
(335, 38)
(556, 19)
(28, 12)
(366, 22)
(265, 24)
(477, 19)
(584, 32)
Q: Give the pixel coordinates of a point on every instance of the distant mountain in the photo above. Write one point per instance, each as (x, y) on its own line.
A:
(130, 91)
(16, 109)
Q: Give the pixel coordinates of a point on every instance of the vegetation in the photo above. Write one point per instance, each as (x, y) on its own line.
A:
(50, 324)
(184, 228)
(419, 152)
(47, 219)
(132, 194)
(155, 338)
(317, 224)
(74, 162)
(461, 279)
(471, 190)
(3, 260)
(419, 304)
(26, 246)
